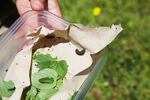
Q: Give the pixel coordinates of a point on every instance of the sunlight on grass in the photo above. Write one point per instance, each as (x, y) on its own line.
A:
(126, 74)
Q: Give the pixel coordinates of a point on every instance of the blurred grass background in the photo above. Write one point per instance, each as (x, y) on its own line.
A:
(126, 76)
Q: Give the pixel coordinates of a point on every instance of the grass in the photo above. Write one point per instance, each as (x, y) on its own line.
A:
(126, 74)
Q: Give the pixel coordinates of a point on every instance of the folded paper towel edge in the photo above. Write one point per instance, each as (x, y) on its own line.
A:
(93, 39)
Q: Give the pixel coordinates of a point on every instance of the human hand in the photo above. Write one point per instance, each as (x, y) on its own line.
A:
(38, 5)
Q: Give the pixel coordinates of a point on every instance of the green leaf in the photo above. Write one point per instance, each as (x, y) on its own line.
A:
(48, 79)
(46, 94)
(59, 83)
(61, 68)
(45, 73)
(44, 61)
(6, 88)
(31, 94)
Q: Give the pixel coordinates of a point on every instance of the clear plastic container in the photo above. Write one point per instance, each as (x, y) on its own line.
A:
(14, 37)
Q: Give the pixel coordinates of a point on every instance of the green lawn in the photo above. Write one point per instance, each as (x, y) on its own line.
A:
(126, 76)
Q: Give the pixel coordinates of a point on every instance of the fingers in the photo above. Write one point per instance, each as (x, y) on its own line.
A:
(38, 4)
(26, 5)
(54, 7)
(23, 6)
(50, 5)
